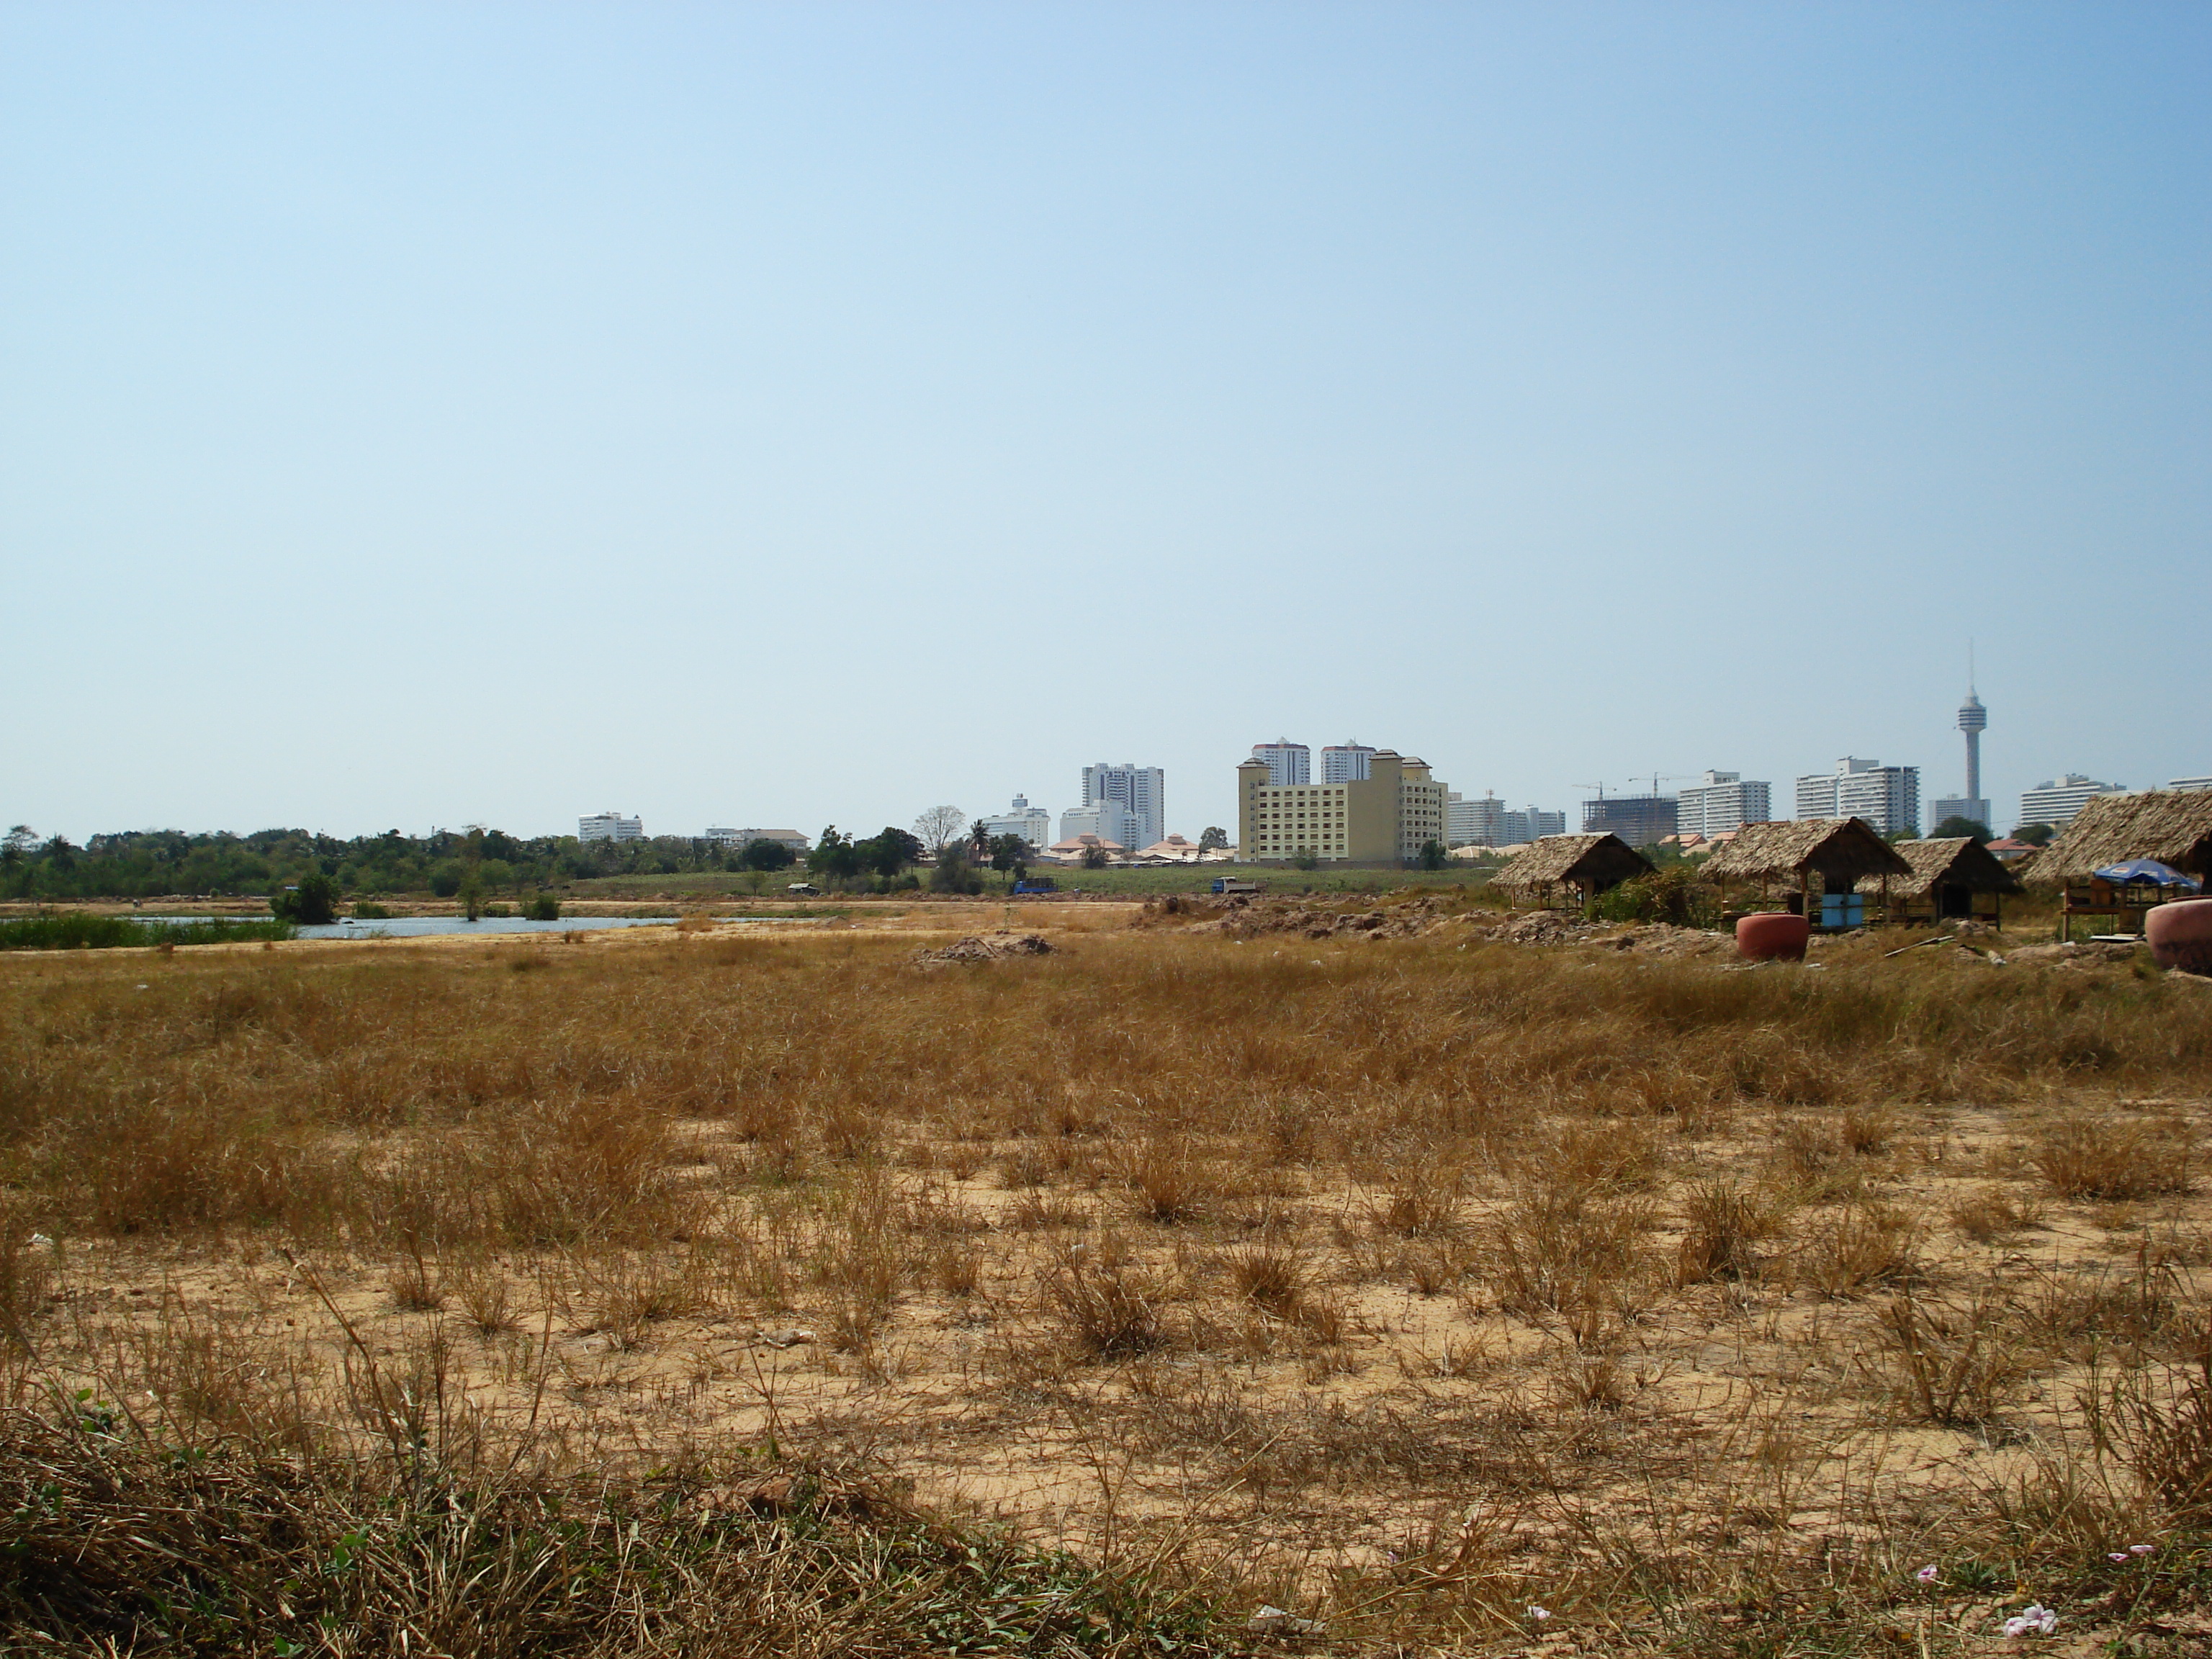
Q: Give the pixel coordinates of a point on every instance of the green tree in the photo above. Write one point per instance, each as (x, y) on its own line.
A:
(763, 855)
(1010, 855)
(471, 893)
(1096, 858)
(314, 901)
(1213, 838)
(1434, 855)
(1955, 825)
(833, 856)
(953, 873)
(2035, 835)
(888, 852)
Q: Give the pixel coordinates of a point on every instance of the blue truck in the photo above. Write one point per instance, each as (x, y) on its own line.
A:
(1036, 885)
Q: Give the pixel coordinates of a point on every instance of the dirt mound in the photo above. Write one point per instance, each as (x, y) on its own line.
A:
(2074, 951)
(974, 949)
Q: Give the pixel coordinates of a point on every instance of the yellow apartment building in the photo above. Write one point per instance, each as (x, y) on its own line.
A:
(1381, 819)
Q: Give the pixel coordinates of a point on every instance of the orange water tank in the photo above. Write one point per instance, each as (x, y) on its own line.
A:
(2180, 935)
(1772, 936)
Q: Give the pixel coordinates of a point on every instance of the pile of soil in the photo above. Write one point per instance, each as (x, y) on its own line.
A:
(973, 949)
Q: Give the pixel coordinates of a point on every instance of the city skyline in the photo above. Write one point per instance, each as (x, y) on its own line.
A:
(661, 412)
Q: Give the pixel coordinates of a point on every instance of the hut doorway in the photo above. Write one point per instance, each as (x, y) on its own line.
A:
(1953, 903)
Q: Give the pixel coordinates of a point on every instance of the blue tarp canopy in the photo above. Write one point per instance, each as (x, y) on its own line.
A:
(2149, 871)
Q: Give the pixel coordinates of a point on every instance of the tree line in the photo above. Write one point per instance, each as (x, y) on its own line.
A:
(149, 863)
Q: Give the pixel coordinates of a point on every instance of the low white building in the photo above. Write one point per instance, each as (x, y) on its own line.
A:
(1032, 823)
(609, 826)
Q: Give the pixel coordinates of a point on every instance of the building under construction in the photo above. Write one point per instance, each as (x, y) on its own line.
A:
(1639, 820)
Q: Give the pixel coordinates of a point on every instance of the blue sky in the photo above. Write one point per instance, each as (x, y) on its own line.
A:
(417, 415)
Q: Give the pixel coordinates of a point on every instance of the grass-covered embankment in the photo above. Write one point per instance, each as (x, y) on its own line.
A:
(81, 931)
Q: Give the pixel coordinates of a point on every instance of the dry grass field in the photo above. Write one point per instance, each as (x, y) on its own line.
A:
(1464, 1295)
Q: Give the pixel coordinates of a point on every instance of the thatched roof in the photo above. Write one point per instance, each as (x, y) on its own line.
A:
(1596, 862)
(1952, 861)
(2173, 826)
(1839, 850)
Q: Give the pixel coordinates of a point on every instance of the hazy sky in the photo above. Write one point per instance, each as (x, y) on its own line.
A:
(415, 415)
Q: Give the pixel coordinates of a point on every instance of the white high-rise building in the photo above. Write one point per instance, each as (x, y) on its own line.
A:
(1032, 823)
(1286, 762)
(609, 826)
(1886, 797)
(1532, 823)
(1723, 802)
(2056, 800)
(1473, 823)
(1109, 820)
(2189, 785)
(1141, 789)
(1346, 763)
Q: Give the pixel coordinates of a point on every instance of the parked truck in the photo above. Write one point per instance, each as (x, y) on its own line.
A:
(1036, 885)
(1232, 884)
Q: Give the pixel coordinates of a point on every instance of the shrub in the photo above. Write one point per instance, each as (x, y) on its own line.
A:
(314, 903)
(545, 907)
(1674, 894)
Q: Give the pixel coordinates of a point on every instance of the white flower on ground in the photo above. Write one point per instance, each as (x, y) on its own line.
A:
(2141, 1549)
(2037, 1620)
(1538, 1614)
(1927, 1574)
(2117, 1555)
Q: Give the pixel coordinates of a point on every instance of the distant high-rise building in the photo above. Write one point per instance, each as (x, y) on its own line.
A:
(1286, 762)
(1032, 823)
(1109, 820)
(2188, 785)
(1473, 823)
(1639, 820)
(2056, 800)
(1488, 822)
(609, 826)
(1142, 789)
(1346, 763)
(1533, 823)
(1886, 797)
(1722, 803)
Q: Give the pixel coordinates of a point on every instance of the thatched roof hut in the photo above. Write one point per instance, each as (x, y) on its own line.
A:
(2173, 826)
(1840, 851)
(1959, 861)
(1587, 865)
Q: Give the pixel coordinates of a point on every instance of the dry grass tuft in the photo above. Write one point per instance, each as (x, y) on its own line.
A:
(2084, 1156)
(1723, 1225)
(1108, 1308)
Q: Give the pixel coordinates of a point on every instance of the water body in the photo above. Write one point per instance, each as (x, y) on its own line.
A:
(425, 927)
